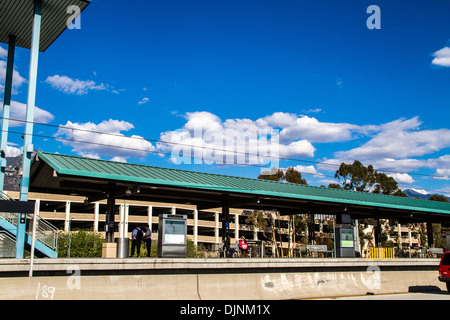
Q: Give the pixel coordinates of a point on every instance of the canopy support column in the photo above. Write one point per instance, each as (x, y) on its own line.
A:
(28, 136)
(6, 107)
(311, 229)
(110, 215)
(377, 231)
(225, 220)
(430, 234)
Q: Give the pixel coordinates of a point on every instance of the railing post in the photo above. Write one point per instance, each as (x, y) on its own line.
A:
(33, 235)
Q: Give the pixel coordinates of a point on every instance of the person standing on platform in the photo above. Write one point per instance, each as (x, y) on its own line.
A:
(136, 239)
(148, 239)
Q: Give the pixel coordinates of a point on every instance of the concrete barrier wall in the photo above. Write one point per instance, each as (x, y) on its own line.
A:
(235, 286)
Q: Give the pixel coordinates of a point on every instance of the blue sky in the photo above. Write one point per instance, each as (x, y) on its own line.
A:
(332, 89)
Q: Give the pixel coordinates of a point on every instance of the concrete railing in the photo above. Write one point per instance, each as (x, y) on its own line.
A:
(235, 279)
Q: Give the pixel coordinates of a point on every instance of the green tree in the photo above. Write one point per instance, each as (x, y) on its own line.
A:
(355, 176)
(258, 220)
(438, 197)
(274, 175)
(294, 176)
(384, 184)
(439, 239)
(334, 186)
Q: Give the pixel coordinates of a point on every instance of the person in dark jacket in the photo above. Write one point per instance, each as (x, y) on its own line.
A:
(136, 239)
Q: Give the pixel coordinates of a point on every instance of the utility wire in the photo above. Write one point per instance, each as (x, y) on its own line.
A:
(236, 152)
(167, 153)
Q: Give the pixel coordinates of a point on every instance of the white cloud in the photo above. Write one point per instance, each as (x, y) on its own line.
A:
(316, 110)
(279, 120)
(144, 100)
(3, 53)
(18, 111)
(17, 81)
(119, 159)
(442, 174)
(300, 149)
(442, 57)
(400, 139)
(104, 139)
(12, 151)
(309, 170)
(401, 177)
(69, 85)
(237, 141)
(445, 191)
(296, 127)
(401, 147)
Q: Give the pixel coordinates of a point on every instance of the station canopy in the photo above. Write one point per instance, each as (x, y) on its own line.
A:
(95, 179)
(16, 18)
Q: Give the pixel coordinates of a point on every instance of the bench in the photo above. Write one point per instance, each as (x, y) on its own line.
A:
(217, 248)
(319, 248)
(436, 251)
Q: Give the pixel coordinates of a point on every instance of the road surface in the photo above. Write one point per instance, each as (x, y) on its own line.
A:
(436, 295)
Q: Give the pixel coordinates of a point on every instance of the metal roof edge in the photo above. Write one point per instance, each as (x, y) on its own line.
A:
(352, 196)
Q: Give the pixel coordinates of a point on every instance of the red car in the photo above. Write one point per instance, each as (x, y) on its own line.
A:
(444, 269)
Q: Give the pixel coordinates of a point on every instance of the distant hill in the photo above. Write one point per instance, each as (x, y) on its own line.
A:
(418, 193)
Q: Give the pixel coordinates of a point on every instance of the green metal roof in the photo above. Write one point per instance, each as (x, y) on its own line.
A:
(140, 174)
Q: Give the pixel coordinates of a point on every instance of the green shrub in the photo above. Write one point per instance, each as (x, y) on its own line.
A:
(88, 244)
(83, 244)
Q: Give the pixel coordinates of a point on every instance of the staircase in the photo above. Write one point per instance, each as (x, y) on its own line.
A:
(7, 245)
(46, 244)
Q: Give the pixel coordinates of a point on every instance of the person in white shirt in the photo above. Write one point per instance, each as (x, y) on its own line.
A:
(148, 239)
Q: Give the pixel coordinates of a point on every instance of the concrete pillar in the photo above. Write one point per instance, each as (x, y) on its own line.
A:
(125, 226)
(236, 224)
(67, 219)
(216, 229)
(122, 220)
(196, 227)
(225, 219)
(96, 213)
(110, 216)
(150, 216)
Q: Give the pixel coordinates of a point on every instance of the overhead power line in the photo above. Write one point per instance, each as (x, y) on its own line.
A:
(235, 152)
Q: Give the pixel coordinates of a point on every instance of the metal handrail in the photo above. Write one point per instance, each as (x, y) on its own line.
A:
(10, 217)
(46, 233)
(4, 196)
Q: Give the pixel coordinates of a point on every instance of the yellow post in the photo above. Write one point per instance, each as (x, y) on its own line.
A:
(380, 253)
